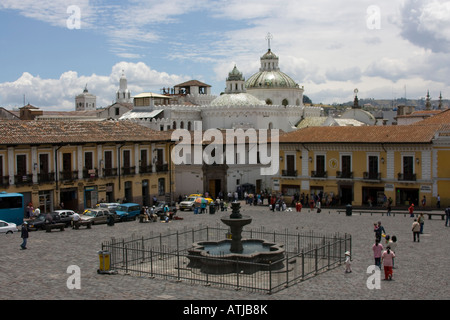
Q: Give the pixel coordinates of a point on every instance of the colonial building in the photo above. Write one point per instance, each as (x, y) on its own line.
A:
(361, 165)
(79, 163)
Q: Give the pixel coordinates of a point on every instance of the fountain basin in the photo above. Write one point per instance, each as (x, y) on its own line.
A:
(215, 257)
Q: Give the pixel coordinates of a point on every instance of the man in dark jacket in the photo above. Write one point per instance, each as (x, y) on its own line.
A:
(24, 235)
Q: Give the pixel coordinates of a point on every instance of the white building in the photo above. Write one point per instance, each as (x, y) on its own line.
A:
(270, 99)
(123, 95)
(85, 101)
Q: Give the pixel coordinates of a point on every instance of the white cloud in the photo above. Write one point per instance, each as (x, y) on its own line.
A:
(327, 46)
(59, 94)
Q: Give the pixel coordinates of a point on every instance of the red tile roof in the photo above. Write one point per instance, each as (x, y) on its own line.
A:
(363, 134)
(55, 132)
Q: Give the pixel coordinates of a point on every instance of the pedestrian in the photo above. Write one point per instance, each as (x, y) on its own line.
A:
(298, 206)
(348, 262)
(30, 209)
(75, 218)
(411, 210)
(24, 235)
(421, 220)
(379, 231)
(416, 230)
(447, 216)
(393, 245)
(387, 260)
(389, 207)
(377, 252)
(424, 201)
(438, 203)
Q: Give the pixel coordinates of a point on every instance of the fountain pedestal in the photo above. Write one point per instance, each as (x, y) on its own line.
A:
(236, 222)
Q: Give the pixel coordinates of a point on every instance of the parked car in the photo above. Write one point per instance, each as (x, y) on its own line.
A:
(65, 216)
(128, 211)
(97, 215)
(112, 206)
(187, 204)
(41, 220)
(159, 209)
(8, 227)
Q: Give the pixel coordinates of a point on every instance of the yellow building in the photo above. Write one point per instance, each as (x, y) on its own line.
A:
(366, 165)
(80, 163)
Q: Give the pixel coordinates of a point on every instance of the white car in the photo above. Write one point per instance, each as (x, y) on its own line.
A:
(188, 204)
(8, 227)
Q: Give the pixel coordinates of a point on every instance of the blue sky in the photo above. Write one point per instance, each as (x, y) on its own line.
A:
(383, 48)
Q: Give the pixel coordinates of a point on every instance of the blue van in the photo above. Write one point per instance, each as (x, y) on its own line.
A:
(128, 211)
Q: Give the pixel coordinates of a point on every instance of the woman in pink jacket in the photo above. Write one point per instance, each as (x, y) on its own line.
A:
(387, 259)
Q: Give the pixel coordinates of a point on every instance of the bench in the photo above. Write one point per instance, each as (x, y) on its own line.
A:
(79, 223)
(435, 214)
(51, 226)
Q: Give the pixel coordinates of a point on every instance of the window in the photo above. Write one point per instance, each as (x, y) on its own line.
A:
(21, 165)
(126, 162)
(290, 165)
(285, 102)
(88, 161)
(320, 164)
(161, 186)
(346, 166)
(373, 166)
(117, 111)
(144, 161)
(408, 168)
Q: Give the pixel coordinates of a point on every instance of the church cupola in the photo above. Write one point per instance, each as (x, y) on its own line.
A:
(235, 82)
(123, 94)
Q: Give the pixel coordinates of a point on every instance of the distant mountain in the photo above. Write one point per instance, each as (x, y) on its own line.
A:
(389, 103)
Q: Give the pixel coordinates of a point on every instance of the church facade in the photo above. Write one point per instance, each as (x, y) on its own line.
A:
(268, 100)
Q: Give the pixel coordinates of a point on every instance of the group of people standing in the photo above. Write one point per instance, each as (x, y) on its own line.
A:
(384, 254)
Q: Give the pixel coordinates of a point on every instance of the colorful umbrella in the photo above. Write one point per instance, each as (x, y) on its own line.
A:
(201, 200)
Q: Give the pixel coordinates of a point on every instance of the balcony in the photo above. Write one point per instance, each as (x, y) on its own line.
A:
(289, 173)
(23, 179)
(90, 173)
(372, 176)
(145, 169)
(162, 167)
(46, 177)
(4, 181)
(127, 171)
(406, 177)
(68, 175)
(110, 172)
(319, 174)
(344, 174)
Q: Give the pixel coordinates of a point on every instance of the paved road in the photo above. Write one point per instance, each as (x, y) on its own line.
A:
(40, 272)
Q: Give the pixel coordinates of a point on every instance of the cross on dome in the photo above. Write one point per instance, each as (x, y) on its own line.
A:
(268, 38)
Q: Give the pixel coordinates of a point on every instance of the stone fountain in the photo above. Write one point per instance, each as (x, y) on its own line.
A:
(219, 257)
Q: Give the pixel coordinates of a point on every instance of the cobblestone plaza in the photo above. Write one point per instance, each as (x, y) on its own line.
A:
(41, 271)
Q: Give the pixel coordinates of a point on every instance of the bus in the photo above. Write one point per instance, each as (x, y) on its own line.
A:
(11, 207)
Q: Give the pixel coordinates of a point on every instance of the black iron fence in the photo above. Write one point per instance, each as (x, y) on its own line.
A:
(166, 256)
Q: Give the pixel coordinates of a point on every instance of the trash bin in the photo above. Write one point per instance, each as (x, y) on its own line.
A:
(348, 210)
(212, 208)
(104, 257)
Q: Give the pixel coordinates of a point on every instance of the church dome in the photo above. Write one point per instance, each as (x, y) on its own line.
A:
(270, 79)
(269, 75)
(236, 100)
